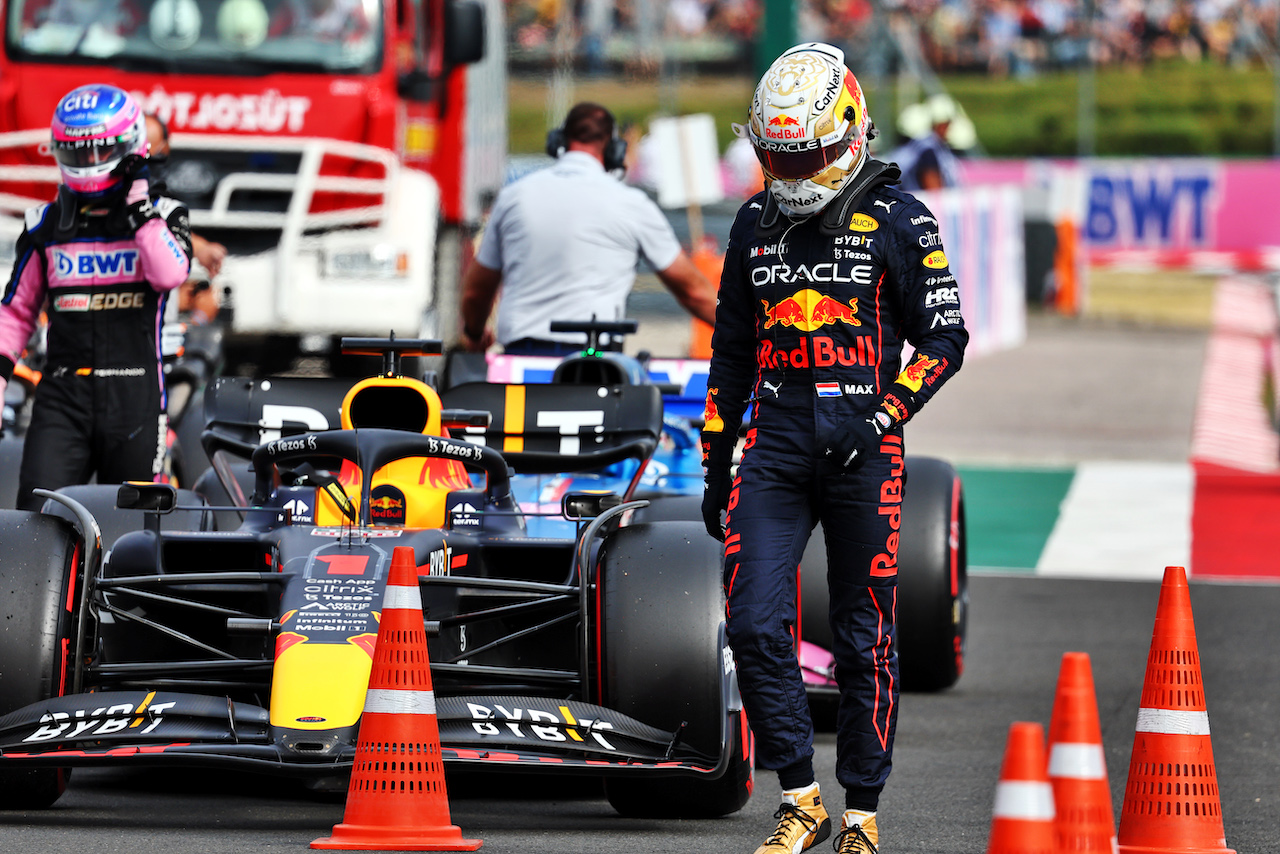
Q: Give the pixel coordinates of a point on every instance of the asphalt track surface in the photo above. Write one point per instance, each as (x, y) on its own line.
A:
(939, 797)
(949, 745)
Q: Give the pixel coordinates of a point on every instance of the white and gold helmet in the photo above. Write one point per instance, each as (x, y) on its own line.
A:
(809, 127)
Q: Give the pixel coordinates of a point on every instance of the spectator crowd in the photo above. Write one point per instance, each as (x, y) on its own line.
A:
(999, 37)
(1021, 37)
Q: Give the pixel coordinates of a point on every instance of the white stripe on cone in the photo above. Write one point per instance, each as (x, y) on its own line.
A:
(396, 702)
(1025, 801)
(1170, 722)
(1077, 761)
(407, 598)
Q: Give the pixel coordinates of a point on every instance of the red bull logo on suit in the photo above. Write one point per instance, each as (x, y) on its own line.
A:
(711, 415)
(913, 375)
(808, 310)
(826, 353)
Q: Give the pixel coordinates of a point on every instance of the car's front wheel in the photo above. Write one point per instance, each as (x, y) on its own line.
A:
(39, 557)
(665, 662)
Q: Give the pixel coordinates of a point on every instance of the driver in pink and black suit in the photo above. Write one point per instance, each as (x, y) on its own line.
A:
(104, 256)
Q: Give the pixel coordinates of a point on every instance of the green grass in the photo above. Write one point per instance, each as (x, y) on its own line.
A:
(1173, 108)
(1170, 109)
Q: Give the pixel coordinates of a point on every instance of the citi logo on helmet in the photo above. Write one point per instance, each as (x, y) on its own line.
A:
(81, 99)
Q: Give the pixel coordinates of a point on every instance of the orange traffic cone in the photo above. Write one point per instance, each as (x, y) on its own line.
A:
(396, 800)
(1171, 797)
(1022, 822)
(1077, 764)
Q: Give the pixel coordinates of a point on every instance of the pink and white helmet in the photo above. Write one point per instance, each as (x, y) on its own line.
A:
(94, 128)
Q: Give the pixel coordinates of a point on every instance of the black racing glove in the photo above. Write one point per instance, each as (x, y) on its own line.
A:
(715, 503)
(139, 212)
(717, 456)
(131, 168)
(136, 208)
(851, 443)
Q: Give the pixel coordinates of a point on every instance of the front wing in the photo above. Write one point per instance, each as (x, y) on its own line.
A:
(179, 729)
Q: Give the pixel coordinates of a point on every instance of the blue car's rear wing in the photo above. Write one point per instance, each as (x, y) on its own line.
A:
(546, 428)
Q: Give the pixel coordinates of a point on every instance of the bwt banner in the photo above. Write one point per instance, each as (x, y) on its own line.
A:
(1151, 204)
(1141, 204)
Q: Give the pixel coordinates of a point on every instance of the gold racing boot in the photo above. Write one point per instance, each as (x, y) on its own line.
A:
(858, 834)
(802, 823)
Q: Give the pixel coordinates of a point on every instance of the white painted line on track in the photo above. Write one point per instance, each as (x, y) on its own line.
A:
(1122, 520)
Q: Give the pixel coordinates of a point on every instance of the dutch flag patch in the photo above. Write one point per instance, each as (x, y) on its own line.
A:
(827, 389)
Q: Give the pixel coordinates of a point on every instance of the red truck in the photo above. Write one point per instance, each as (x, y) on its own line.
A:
(343, 150)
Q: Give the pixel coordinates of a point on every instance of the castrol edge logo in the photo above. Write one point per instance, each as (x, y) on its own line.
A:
(99, 301)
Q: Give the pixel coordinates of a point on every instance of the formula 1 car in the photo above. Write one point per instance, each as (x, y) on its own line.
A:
(137, 634)
(932, 580)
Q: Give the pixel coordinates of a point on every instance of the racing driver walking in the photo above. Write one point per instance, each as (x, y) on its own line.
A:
(827, 273)
(104, 255)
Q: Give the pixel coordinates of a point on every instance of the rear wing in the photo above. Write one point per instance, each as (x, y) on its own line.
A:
(540, 429)
(689, 375)
(546, 429)
(242, 413)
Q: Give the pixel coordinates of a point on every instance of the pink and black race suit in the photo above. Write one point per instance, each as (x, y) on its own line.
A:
(100, 404)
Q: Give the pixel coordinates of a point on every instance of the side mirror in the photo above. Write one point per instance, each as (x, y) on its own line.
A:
(463, 32)
(460, 418)
(588, 505)
(415, 85)
(140, 495)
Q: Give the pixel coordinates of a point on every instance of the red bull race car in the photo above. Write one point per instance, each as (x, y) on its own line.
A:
(233, 625)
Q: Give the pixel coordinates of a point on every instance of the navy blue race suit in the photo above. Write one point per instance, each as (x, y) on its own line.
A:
(103, 273)
(809, 332)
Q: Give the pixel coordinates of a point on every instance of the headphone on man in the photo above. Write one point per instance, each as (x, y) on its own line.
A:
(615, 150)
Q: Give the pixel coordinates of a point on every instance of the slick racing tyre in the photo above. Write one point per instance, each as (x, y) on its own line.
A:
(663, 653)
(39, 557)
(933, 593)
(669, 508)
(933, 586)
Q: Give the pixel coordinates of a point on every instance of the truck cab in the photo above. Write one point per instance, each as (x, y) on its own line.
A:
(343, 150)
